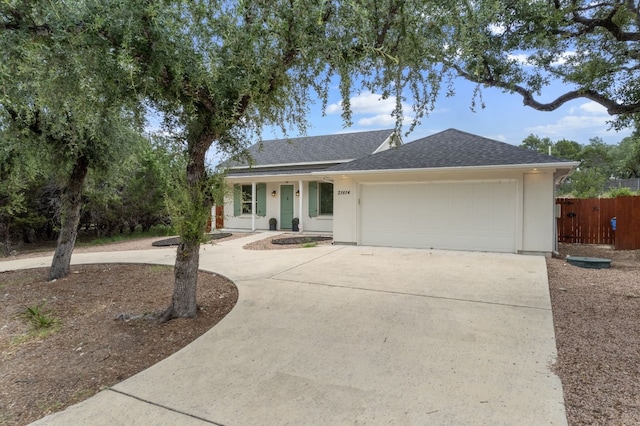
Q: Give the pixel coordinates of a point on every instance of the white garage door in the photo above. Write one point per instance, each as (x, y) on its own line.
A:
(460, 216)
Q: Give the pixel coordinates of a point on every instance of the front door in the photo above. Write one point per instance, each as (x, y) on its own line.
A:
(286, 206)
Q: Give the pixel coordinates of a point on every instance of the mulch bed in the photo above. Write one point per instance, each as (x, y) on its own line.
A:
(300, 240)
(176, 240)
(89, 349)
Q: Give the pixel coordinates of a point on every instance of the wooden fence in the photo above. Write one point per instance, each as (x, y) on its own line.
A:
(588, 221)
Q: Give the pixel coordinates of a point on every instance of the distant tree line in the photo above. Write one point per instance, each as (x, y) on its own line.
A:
(600, 163)
(134, 194)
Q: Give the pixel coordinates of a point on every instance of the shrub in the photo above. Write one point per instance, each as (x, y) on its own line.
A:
(37, 317)
(620, 192)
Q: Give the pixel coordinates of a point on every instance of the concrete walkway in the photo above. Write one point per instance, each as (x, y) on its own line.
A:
(335, 335)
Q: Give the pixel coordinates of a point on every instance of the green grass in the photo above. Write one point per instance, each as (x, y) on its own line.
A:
(156, 269)
(37, 317)
(42, 323)
(308, 245)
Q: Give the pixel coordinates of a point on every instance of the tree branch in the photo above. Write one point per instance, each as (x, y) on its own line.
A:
(589, 25)
(613, 108)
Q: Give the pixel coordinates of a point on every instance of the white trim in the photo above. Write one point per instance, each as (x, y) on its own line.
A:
(280, 178)
(300, 215)
(306, 163)
(387, 143)
(414, 182)
(448, 169)
(254, 205)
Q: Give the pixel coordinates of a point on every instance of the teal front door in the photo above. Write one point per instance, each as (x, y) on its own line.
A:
(286, 206)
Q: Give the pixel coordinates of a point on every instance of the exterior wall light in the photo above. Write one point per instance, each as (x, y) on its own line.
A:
(273, 193)
(297, 193)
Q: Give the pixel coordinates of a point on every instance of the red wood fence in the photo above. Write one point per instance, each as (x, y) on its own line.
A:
(588, 221)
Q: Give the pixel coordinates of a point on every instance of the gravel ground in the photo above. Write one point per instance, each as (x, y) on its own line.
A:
(597, 324)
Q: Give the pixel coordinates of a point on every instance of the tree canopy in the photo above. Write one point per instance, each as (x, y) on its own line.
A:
(80, 72)
(522, 46)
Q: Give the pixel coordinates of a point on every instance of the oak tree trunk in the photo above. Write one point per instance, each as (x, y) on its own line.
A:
(70, 218)
(183, 303)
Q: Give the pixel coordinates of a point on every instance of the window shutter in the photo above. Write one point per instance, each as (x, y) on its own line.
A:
(313, 199)
(261, 195)
(237, 200)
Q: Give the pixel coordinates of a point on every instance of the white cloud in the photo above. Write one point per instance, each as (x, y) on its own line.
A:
(521, 58)
(593, 108)
(382, 120)
(376, 111)
(588, 117)
(563, 58)
(366, 103)
(377, 120)
(497, 29)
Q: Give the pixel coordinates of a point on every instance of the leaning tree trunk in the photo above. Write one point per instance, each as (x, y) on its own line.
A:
(183, 303)
(70, 218)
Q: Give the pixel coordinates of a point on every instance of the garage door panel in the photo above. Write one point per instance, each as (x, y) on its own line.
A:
(463, 216)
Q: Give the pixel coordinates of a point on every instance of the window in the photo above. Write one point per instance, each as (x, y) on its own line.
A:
(247, 205)
(243, 202)
(320, 198)
(326, 198)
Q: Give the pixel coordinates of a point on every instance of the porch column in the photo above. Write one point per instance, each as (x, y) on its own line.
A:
(253, 206)
(300, 206)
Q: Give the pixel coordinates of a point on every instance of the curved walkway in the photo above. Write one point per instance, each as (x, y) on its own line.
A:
(337, 335)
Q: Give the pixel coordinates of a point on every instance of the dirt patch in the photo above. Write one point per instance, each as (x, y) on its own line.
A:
(597, 323)
(89, 350)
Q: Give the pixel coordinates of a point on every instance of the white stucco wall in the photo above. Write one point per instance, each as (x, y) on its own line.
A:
(538, 213)
(534, 202)
(322, 223)
(345, 203)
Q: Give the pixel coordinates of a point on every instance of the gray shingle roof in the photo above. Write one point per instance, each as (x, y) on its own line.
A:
(328, 148)
(450, 148)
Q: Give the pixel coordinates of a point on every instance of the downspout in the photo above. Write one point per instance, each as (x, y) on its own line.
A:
(253, 206)
(300, 206)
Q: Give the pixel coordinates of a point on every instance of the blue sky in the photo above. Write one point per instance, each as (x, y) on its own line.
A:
(504, 117)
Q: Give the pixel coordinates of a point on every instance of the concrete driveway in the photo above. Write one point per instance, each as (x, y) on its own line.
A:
(337, 335)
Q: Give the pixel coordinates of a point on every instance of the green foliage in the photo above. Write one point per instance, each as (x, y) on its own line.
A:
(37, 317)
(599, 162)
(536, 143)
(620, 192)
(132, 193)
(626, 157)
(587, 183)
(22, 172)
(522, 47)
(566, 149)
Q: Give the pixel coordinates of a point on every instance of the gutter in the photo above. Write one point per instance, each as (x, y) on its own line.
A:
(307, 163)
(564, 165)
